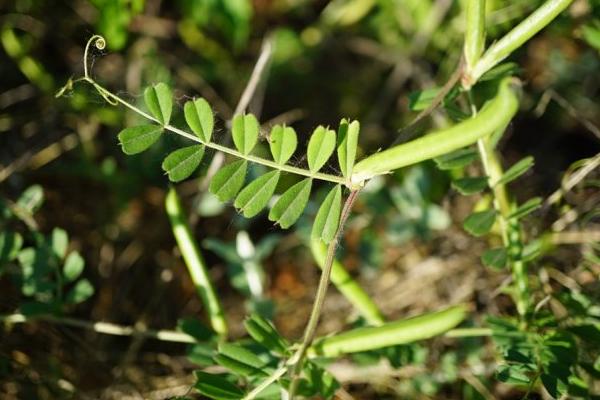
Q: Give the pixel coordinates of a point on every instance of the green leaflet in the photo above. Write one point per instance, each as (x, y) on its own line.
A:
(516, 170)
(480, 223)
(283, 142)
(229, 180)
(320, 148)
(347, 144)
(470, 185)
(328, 217)
(199, 117)
(73, 267)
(265, 333)
(138, 138)
(183, 162)
(254, 197)
(526, 208)
(239, 360)
(244, 130)
(456, 159)
(159, 101)
(495, 258)
(290, 205)
(216, 387)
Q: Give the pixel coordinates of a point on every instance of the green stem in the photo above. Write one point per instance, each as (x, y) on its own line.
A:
(311, 327)
(475, 32)
(195, 263)
(347, 286)
(264, 384)
(515, 38)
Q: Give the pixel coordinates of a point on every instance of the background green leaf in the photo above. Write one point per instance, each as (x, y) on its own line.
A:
(73, 266)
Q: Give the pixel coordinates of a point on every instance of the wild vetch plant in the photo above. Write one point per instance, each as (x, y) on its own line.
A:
(536, 347)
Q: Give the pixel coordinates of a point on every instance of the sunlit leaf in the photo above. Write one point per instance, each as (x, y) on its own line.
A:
(516, 170)
(495, 258)
(200, 119)
(239, 360)
(283, 142)
(159, 101)
(328, 217)
(254, 197)
(244, 130)
(265, 333)
(31, 199)
(456, 159)
(73, 266)
(228, 181)
(320, 148)
(480, 223)
(470, 185)
(216, 387)
(181, 163)
(82, 291)
(60, 241)
(291, 204)
(347, 143)
(138, 138)
(526, 208)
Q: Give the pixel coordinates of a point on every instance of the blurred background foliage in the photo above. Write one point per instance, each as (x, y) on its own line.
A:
(359, 59)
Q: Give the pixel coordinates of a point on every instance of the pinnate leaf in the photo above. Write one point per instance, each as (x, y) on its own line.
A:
(200, 119)
(159, 101)
(228, 181)
(347, 144)
(283, 142)
(138, 138)
(291, 204)
(254, 197)
(516, 170)
(328, 217)
(245, 132)
(480, 223)
(470, 185)
(320, 148)
(216, 387)
(181, 163)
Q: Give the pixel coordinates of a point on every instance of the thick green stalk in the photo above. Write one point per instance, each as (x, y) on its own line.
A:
(510, 228)
(195, 263)
(390, 334)
(475, 32)
(496, 114)
(347, 286)
(515, 39)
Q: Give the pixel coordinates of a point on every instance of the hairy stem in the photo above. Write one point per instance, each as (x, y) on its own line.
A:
(311, 327)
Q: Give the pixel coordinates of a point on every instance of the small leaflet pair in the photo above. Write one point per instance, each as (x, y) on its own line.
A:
(228, 183)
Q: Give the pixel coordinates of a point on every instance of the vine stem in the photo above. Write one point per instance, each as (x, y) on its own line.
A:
(311, 326)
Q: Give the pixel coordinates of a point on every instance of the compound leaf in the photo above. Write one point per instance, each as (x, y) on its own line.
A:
(328, 217)
(480, 223)
(181, 163)
(159, 101)
(245, 132)
(229, 180)
(199, 117)
(516, 170)
(138, 138)
(347, 144)
(283, 142)
(320, 148)
(470, 185)
(254, 197)
(216, 387)
(290, 205)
